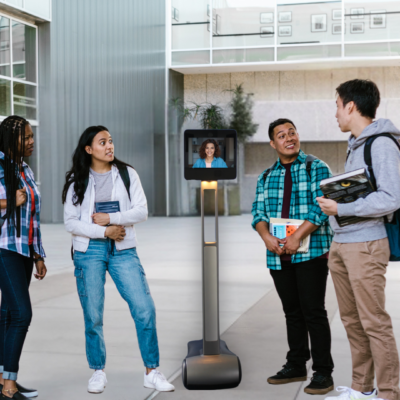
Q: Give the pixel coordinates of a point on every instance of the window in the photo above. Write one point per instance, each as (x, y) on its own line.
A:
(18, 69)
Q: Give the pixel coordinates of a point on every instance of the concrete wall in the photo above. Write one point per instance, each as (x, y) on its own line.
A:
(306, 97)
(103, 62)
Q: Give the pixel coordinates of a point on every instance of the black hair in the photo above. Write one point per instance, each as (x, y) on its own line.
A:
(12, 144)
(276, 123)
(81, 162)
(364, 93)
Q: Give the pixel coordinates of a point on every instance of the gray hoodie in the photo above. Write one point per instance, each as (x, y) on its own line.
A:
(386, 200)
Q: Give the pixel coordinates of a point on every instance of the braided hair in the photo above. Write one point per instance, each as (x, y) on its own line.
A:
(12, 144)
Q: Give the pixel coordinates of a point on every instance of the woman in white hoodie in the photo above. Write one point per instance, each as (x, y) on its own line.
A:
(106, 241)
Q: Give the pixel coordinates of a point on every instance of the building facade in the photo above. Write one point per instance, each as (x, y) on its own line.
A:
(66, 65)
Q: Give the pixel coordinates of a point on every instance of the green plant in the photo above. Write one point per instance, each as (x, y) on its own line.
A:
(211, 116)
(242, 113)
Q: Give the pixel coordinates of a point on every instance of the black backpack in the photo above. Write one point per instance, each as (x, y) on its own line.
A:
(393, 227)
(309, 160)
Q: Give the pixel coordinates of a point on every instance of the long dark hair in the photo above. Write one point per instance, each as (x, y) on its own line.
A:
(12, 144)
(81, 162)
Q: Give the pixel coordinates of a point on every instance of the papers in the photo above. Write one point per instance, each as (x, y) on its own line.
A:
(284, 227)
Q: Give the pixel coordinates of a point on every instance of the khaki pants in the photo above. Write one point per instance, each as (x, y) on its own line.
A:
(358, 273)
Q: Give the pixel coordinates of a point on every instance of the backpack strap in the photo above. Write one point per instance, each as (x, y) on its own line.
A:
(309, 160)
(268, 170)
(368, 153)
(123, 171)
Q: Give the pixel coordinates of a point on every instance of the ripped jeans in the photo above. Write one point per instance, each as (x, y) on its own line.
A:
(126, 271)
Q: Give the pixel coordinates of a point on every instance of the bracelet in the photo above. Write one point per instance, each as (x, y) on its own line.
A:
(35, 260)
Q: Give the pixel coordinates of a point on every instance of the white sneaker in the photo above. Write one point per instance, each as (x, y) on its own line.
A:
(350, 394)
(97, 383)
(156, 380)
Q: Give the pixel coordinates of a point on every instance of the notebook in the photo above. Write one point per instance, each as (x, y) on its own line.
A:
(284, 227)
(107, 207)
(346, 188)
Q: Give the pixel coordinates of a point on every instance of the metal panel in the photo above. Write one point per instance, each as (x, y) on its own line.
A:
(103, 63)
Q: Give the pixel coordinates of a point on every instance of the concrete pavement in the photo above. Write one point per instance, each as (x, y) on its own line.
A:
(252, 320)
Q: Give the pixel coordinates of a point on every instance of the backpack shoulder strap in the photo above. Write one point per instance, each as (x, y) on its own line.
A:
(309, 160)
(268, 170)
(123, 171)
(368, 153)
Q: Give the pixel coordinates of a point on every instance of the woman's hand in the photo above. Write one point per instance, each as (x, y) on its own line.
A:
(115, 232)
(41, 270)
(292, 244)
(101, 219)
(21, 196)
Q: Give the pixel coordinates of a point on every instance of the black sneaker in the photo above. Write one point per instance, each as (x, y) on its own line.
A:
(16, 396)
(320, 384)
(288, 374)
(26, 392)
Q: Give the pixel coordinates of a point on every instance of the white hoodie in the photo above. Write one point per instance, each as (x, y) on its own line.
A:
(78, 219)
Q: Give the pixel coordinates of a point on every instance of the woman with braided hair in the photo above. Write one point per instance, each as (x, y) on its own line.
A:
(20, 248)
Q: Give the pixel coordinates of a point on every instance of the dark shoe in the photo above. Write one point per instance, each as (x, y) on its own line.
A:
(288, 374)
(16, 396)
(320, 384)
(26, 392)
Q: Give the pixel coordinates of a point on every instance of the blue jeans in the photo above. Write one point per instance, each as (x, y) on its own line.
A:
(16, 309)
(129, 277)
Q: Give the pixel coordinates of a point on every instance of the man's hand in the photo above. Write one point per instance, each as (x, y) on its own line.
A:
(329, 207)
(41, 270)
(292, 244)
(272, 244)
(101, 219)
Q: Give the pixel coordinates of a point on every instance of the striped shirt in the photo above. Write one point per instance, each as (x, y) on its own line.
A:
(8, 237)
(303, 205)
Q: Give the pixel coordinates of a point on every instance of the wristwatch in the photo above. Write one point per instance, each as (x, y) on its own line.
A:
(35, 260)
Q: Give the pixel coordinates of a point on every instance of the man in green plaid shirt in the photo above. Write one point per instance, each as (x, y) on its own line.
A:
(289, 190)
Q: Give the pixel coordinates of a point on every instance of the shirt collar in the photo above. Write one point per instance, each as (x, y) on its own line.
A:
(301, 158)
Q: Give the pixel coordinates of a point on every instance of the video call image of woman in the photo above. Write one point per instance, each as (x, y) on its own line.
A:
(210, 156)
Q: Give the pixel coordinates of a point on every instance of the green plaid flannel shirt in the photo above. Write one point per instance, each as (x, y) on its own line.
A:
(303, 205)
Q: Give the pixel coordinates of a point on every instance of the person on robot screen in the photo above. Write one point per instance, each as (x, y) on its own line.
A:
(106, 241)
(210, 156)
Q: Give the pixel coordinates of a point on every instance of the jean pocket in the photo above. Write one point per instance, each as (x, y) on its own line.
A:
(80, 282)
(144, 279)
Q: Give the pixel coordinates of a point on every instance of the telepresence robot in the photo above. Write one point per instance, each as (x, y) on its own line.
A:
(209, 364)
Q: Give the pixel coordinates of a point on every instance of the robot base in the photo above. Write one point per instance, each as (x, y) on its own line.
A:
(211, 372)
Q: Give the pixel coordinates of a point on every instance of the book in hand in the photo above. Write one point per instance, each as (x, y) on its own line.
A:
(347, 188)
(282, 228)
(107, 207)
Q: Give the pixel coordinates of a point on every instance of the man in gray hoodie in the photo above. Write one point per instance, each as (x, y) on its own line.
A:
(360, 252)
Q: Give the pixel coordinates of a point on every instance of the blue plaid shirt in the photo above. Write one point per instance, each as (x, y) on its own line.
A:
(9, 239)
(303, 205)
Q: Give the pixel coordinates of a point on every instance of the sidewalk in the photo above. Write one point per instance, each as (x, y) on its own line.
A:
(252, 320)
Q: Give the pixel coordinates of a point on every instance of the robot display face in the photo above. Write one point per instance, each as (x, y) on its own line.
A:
(210, 154)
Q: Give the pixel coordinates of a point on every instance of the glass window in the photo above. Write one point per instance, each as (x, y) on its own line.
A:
(190, 57)
(24, 51)
(5, 97)
(291, 53)
(17, 3)
(372, 20)
(38, 7)
(240, 24)
(309, 22)
(243, 55)
(25, 100)
(4, 46)
(190, 24)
